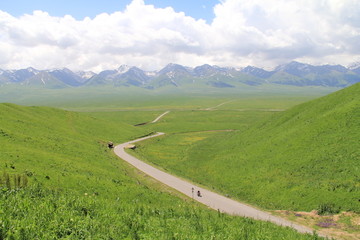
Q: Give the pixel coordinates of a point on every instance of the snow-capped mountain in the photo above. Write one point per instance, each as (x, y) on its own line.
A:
(172, 70)
(206, 70)
(257, 72)
(44, 79)
(122, 76)
(133, 76)
(175, 75)
(17, 76)
(66, 76)
(123, 69)
(295, 68)
(85, 75)
(355, 67)
(302, 69)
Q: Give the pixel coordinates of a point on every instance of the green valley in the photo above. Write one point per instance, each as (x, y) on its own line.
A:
(301, 159)
(307, 155)
(60, 181)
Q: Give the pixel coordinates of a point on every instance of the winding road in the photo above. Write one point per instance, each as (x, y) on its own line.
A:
(211, 199)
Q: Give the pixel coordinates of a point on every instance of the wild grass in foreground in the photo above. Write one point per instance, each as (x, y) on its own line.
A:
(38, 213)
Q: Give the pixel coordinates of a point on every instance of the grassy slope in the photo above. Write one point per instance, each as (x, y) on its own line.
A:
(54, 139)
(79, 190)
(298, 159)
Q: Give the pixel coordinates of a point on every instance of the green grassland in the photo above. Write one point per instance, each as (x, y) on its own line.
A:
(132, 117)
(206, 118)
(128, 98)
(102, 98)
(194, 121)
(302, 159)
(199, 113)
(59, 181)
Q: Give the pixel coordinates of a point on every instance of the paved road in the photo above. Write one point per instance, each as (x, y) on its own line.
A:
(211, 199)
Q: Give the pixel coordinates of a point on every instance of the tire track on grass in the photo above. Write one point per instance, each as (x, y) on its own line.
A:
(154, 121)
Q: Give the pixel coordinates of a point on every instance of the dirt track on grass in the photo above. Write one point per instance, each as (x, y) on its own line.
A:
(154, 121)
(159, 117)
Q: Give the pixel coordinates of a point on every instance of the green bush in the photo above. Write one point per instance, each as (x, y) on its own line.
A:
(327, 208)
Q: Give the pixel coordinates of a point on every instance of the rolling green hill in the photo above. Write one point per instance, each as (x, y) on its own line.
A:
(302, 159)
(59, 181)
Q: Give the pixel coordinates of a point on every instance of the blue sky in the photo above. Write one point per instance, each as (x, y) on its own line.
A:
(147, 34)
(80, 9)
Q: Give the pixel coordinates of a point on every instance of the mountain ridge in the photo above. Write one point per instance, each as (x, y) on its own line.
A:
(176, 75)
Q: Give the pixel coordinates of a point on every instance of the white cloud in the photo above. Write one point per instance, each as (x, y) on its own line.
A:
(282, 30)
(256, 32)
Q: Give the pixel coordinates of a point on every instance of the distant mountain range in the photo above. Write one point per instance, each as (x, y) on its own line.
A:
(174, 75)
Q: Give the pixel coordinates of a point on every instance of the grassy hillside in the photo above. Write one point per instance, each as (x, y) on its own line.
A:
(59, 181)
(56, 142)
(302, 159)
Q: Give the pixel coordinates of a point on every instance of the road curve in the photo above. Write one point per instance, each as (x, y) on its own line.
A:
(211, 199)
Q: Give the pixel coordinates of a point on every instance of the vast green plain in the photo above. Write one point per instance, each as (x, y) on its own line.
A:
(132, 98)
(60, 181)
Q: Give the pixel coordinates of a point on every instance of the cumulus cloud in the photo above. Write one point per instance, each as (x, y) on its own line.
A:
(282, 30)
(257, 32)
